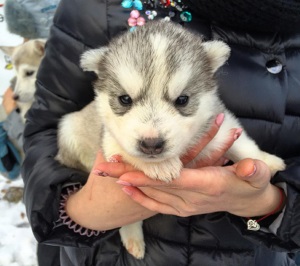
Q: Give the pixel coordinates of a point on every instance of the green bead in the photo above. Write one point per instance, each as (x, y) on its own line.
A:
(186, 16)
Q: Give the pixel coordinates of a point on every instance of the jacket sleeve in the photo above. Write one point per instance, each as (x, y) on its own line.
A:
(62, 87)
(14, 127)
(289, 229)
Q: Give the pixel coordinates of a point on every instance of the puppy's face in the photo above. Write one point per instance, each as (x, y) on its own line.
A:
(26, 59)
(25, 86)
(155, 89)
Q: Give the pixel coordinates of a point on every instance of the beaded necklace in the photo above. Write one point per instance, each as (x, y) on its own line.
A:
(167, 9)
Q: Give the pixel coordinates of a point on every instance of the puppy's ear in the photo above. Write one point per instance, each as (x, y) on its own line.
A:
(39, 46)
(8, 50)
(89, 60)
(217, 52)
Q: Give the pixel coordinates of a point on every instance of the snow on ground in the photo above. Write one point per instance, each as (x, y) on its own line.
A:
(17, 244)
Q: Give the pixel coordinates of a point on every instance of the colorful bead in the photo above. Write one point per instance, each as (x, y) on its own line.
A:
(166, 3)
(135, 19)
(131, 22)
(151, 17)
(134, 14)
(127, 3)
(132, 29)
(137, 4)
(186, 16)
(140, 21)
(177, 9)
(171, 14)
(151, 14)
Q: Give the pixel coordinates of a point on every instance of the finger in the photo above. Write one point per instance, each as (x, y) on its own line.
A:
(195, 150)
(256, 172)
(147, 202)
(139, 179)
(222, 161)
(113, 169)
(216, 157)
(201, 180)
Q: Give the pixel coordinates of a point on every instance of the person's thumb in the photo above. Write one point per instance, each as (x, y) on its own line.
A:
(255, 172)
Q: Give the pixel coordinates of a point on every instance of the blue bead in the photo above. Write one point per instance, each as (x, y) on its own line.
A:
(132, 29)
(138, 5)
(127, 3)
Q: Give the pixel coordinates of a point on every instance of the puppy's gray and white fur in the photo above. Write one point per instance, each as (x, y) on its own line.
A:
(156, 95)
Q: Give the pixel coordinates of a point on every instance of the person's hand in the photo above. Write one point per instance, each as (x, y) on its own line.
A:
(9, 104)
(242, 189)
(101, 205)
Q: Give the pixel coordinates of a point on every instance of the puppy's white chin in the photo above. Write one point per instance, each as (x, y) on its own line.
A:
(153, 158)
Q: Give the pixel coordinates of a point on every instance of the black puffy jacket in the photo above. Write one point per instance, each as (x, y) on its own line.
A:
(268, 105)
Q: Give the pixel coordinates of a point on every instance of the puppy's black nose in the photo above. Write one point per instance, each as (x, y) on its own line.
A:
(152, 145)
(16, 97)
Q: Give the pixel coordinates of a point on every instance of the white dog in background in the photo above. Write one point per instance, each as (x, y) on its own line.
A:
(26, 59)
(156, 95)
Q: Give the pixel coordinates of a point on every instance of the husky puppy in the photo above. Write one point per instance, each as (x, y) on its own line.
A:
(156, 95)
(26, 59)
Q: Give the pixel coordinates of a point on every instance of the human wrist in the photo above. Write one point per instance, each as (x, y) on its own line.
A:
(91, 208)
(79, 210)
(255, 223)
(274, 201)
(71, 205)
(65, 218)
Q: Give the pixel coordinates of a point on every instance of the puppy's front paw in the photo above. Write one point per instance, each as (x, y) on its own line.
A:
(165, 171)
(275, 163)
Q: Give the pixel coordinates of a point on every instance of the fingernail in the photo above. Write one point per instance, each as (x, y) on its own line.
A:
(127, 190)
(115, 159)
(99, 173)
(226, 161)
(253, 172)
(123, 183)
(219, 119)
(238, 133)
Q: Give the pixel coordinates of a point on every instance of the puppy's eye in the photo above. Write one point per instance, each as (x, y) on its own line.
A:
(182, 101)
(125, 100)
(29, 73)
